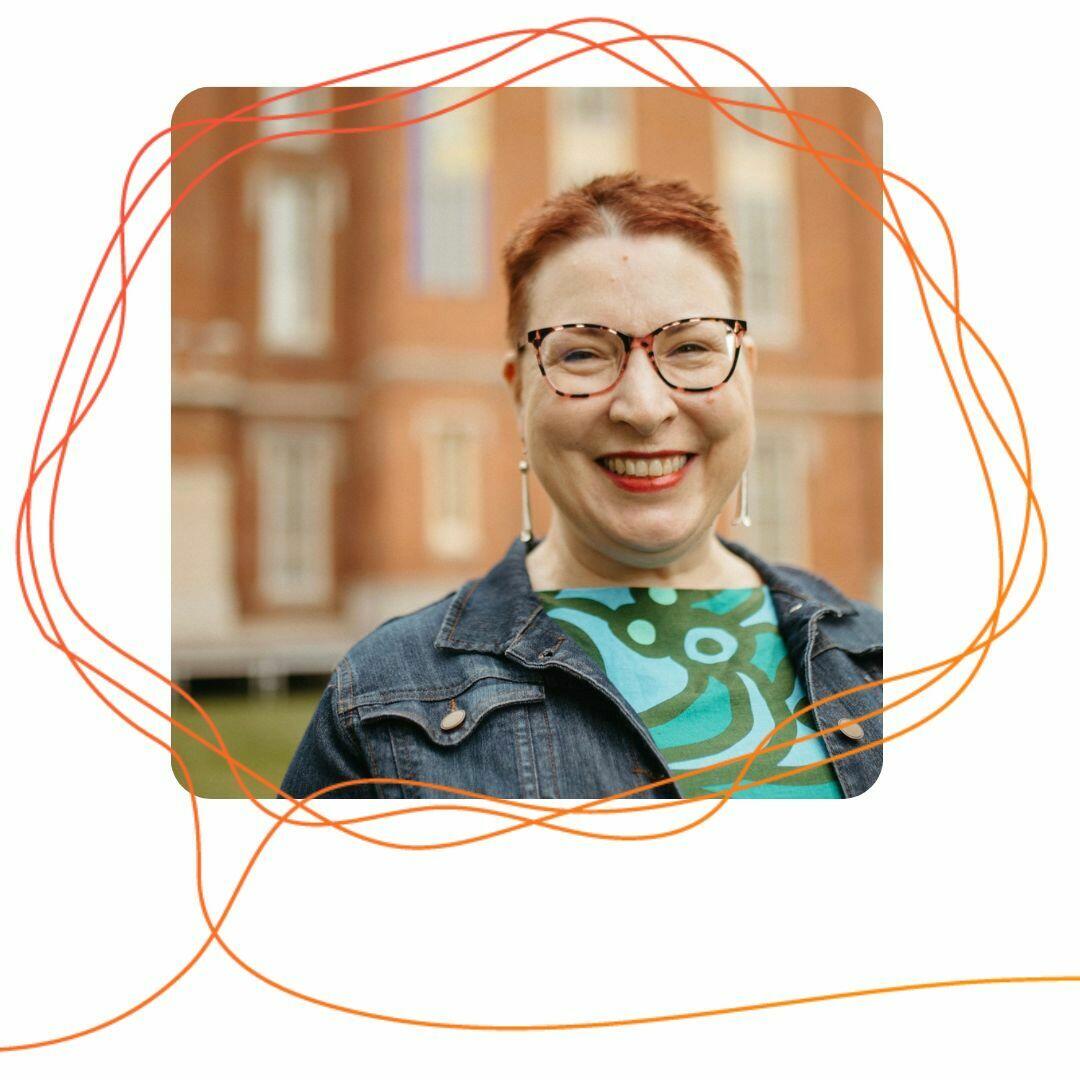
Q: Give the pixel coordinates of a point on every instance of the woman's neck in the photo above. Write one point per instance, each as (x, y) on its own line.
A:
(562, 561)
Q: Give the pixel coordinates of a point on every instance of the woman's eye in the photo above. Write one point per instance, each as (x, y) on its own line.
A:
(692, 346)
(578, 355)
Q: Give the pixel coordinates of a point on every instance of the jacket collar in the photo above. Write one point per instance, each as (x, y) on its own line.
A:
(500, 612)
(491, 614)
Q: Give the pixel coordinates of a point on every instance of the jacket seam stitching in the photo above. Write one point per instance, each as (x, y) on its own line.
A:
(838, 772)
(858, 650)
(551, 748)
(345, 730)
(403, 773)
(357, 742)
(461, 611)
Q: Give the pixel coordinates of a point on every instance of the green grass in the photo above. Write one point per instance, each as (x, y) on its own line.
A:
(261, 732)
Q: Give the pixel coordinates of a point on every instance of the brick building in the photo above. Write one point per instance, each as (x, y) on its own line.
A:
(343, 446)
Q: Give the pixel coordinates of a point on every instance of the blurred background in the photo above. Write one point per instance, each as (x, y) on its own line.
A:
(344, 449)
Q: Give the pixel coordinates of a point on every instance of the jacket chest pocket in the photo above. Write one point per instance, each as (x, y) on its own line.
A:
(483, 736)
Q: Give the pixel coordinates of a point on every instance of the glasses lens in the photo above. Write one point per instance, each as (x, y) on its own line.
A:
(696, 355)
(581, 361)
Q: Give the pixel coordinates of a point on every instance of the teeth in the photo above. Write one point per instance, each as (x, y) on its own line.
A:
(645, 466)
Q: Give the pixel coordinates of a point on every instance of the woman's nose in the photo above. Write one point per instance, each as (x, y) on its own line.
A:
(640, 398)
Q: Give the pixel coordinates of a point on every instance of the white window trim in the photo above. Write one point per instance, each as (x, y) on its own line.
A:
(463, 139)
(313, 337)
(612, 147)
(320, 98)
(795, 447)
(459, 537)
(752, 170)
(314, 586)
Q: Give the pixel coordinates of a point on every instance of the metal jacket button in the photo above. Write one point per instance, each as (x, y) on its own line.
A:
(852, 731)
(452, 720)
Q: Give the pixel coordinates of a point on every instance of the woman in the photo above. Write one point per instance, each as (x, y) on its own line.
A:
(631, 645)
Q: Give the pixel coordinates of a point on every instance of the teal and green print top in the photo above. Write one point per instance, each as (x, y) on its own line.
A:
(708, 673)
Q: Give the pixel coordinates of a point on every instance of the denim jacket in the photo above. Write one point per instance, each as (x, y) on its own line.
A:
(482, 691)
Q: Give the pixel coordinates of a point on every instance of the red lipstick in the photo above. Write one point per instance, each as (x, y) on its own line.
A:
(644, 484)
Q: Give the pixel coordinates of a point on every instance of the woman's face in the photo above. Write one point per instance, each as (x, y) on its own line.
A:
(634, 284)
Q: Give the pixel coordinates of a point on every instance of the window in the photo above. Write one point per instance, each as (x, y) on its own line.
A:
(306, 102)
(203, 588)
(591, 133)
(296, 219)
(295, 470)
(779, 500)
(449, 193)
(450, 439)
(757, 186)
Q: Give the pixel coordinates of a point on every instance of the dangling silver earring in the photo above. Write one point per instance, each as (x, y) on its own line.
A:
(526, 509)
(743, 515)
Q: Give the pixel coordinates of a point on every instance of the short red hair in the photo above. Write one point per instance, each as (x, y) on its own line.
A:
(624, 203)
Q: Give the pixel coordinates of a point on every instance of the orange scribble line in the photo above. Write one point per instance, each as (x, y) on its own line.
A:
(979, 647)
(223, 751)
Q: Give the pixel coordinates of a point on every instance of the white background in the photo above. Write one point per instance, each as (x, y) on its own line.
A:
(960, 863)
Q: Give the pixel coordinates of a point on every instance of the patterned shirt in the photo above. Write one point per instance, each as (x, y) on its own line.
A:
(709, 674)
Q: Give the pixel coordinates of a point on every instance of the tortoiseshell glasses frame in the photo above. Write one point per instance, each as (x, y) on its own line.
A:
(737, 327)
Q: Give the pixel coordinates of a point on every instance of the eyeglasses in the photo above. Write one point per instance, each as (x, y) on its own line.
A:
(583, 359)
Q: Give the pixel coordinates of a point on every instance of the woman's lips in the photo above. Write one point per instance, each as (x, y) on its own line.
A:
(644, 484)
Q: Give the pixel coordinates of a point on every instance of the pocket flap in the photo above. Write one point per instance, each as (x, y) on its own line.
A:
(449, 715)
(857, 634)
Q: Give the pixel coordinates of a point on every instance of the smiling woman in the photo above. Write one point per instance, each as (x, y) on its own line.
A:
(631, 647)
(677, 395)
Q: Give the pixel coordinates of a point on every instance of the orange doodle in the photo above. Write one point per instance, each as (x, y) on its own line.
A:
(514, 815)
